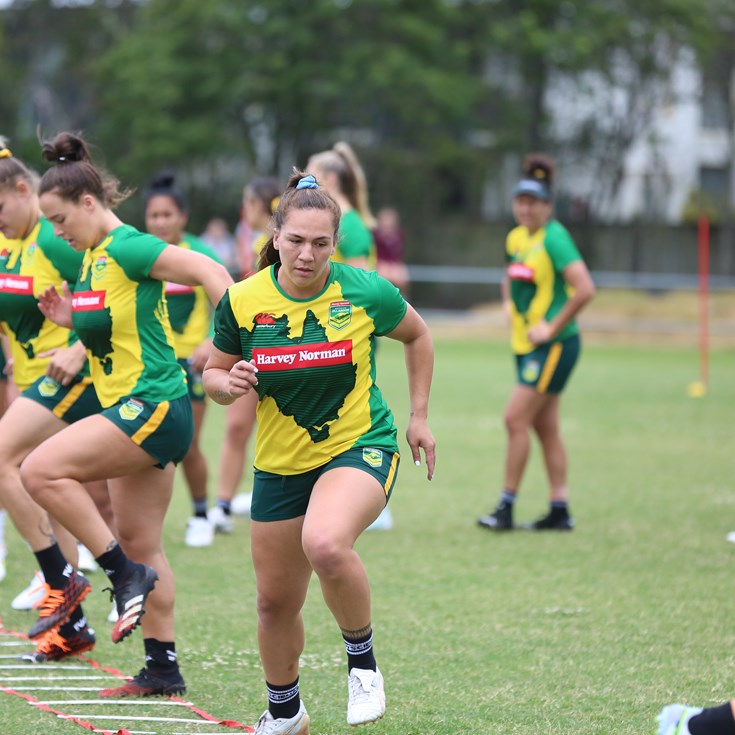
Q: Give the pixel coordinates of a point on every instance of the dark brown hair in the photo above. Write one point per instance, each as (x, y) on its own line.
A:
(75, 175)
(13, 170)
(267, 190)
(539, 167)
(293, 198)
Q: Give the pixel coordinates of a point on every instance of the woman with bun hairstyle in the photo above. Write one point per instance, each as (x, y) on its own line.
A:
(546, 285)
(259, 200)
(300, 334)
(190, 314)
(50, 369)
(118, 308)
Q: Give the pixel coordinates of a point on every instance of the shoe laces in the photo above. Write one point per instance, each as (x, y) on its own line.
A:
(360, 689)
(52, 600)
(51, 641)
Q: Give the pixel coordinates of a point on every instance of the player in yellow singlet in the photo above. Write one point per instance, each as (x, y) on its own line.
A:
(118, 308)
(301, 333)
(51, 371)
(546, 285)
(190, 313)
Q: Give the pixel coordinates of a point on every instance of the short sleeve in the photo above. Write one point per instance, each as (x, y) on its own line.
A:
(354, 239)
(137, 253)
(226, 328)
(560, 247)
(392, 308)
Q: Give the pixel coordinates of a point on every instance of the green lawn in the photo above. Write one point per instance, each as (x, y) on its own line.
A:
(581, 633)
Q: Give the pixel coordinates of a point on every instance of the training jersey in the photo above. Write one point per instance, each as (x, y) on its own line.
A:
(120, 314)
(189, 310)
(28, 267)
(354, 239)
(316, 364)
(537, 287)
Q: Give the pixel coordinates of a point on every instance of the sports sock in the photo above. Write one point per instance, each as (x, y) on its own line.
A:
(76, 622)
(559, 508)
(160, 656)
(56, 570)
(359, 645)
(507, 497)
(114, 563)
(226, 506)
(713, 721)
(283, 701)
(200, 508)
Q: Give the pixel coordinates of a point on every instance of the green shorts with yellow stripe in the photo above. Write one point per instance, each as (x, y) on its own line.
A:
(547, 368)
(164, 430)
(281, 497)
(70, 402)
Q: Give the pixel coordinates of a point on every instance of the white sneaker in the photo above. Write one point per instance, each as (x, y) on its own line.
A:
(221, 522)
(86, 560)
(3, 569)
(298, 725)
(366, 699)
(384, 522)
(114, 615)
(32, 595)
(731, 537)
(674, 719)
(199, 532)
(241, 504)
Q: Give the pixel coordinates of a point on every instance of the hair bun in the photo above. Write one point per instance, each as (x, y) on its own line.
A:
(163, 180)
(539, 167)
(65, 148)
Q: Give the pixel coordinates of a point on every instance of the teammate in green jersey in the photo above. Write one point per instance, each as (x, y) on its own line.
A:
(546, 285)
(118, 308)
(190, 313)
(50, 368)
(301, 333)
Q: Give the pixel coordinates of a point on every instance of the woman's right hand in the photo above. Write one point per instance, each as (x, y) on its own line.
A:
(243, 378)
(55, 306)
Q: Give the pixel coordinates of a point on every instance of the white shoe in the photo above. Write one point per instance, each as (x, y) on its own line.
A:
(366, 698)
(3, 569)
(221, 522)
(731, 537)
(114, 615)
(199, 532)
(674, 719)
(241, 504)
(298, 725)
(384, 522)
(32, 595)
(86, 560)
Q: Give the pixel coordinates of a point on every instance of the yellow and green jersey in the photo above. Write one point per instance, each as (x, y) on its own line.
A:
(354, 240)
(120, 314)
(316, 364)
(27, 268)
(537, 286)
(189, 310)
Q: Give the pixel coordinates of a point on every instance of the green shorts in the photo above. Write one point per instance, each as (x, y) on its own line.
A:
(3, 363)
(69, 403)
(164, 430)
(548, 367)
(281, 497)
(194, 381)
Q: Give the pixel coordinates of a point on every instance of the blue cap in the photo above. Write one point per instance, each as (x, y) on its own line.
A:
(533, 188)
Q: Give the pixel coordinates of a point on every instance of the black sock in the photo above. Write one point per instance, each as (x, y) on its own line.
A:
(360, 650)
(713, 721)
(283, 701)
(226, 506)
(559, 508)
(56, 570)
(75, 624)
(114, 563)
(200, 508)
(160, 656)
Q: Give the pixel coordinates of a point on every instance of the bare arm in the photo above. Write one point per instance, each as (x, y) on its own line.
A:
(578, 277)
(419, 354)
(189, 268)
(227, 377)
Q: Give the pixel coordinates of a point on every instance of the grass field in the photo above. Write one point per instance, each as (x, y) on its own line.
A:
(581, 633)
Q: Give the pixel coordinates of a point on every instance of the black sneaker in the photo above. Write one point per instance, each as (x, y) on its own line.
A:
(501, 519)
(130, 595)
(551, 522)
(146, 684)
(58, 605)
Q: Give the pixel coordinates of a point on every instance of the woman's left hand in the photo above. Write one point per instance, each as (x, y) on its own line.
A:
(419, 437)
(540, 333)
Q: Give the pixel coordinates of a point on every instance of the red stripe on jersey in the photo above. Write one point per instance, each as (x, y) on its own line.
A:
(22, 285)
(520, 272)
(88, 300)
(178, 288)
(297, 357)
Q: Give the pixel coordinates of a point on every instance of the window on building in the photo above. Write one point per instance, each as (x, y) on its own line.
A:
(715, 180)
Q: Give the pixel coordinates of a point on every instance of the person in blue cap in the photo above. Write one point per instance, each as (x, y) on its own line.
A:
(545, 287)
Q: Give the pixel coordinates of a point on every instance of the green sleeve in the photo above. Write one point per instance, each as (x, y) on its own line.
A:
(137, 253)
(63, 257)
(381, 300)
(560, 246)
(354, 239)
(226, 328)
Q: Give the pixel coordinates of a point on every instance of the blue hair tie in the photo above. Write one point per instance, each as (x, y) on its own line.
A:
(308, 182)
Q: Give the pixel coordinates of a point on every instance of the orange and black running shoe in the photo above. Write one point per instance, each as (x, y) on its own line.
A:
(146, 684)
(58, 605)
(55, 647)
